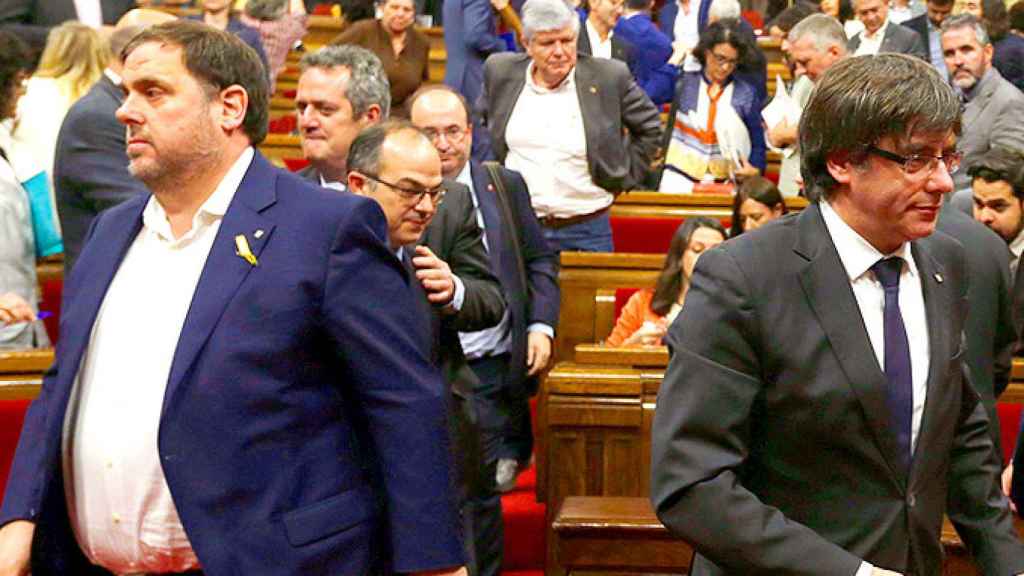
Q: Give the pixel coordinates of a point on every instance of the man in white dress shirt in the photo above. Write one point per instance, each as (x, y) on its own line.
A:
(817, 413)
(579, 130)
(225, 400)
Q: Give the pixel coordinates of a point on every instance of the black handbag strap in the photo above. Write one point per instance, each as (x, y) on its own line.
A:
(494, 169)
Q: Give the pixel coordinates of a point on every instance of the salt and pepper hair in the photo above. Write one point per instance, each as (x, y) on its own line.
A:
(547, 15)
(267, 10)
(367, 82)
(722, 9)
(967, 21)
(862, 99)
(822, 29)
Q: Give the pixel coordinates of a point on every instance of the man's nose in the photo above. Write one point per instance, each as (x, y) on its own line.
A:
(126, 114)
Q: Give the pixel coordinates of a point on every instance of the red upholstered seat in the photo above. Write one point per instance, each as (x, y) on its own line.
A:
(295, 164)
(1009, 424)
(12, 414)
(646, 235)
(52, 292)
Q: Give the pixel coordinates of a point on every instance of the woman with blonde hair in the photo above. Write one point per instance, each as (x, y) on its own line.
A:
(73, 60)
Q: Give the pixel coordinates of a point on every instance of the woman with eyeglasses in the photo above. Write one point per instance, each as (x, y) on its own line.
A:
(708, 105)
(648, 313)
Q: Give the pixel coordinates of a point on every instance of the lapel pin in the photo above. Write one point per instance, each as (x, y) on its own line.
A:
(258, 234)
(593, 89)
(938, 278)
(242, 249)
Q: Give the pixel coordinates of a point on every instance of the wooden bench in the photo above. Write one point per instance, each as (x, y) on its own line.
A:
(608, 534)
(21, 372)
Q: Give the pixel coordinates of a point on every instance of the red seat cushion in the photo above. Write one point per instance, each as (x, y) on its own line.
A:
(1009, 424)
(52, 291)
(646, 235)
(12, 414)
(295, 164)
(622, 295)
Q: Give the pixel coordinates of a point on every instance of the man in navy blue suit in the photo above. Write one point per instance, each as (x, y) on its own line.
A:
(228, 397)
(507, 358)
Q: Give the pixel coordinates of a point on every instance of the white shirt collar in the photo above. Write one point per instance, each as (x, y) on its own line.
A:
(113, 76)
(465, 176)
(880, 33)
(569, 82)
(333, 185)
(1017, 246)
(856, 253)
(154, 217)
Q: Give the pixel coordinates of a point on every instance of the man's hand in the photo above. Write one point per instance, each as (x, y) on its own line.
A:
(14, 309)
(435, 276)
(1008, 482)
(538, 352)
(782, 134)
(461, 571)
(16, 548)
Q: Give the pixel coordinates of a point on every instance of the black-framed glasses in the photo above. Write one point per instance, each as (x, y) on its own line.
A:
(723, 61)
(414, 195)
(453, 134)
(920, 164)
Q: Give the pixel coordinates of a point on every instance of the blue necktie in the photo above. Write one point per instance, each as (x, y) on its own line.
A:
(900, 393)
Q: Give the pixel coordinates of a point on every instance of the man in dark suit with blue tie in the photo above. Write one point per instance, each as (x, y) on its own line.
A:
(295, 425)
(507, 358)
(817, 415)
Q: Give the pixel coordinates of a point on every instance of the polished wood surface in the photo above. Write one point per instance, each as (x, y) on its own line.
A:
(662, 205)
(613, 534)
(609, 534)
(21, 372)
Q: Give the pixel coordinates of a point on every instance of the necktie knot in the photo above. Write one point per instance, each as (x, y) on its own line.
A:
(888, 270)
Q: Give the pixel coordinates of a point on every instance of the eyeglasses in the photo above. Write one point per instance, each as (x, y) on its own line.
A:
(453, 134)
(920, 164)
(414, 195)
(723, 61)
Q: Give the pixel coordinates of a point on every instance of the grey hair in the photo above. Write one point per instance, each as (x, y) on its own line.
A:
(367, 82)
(967, 21)
(722, 9)
(862, 99)
(364, 152)
(822, 29)
(547, 15)
(266, 9)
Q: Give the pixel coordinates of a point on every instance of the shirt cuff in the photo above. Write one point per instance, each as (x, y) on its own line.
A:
(460, 296)
(544, 329)
(865, 569)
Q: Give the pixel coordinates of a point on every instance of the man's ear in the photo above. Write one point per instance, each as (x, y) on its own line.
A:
(839, 166)
(374, 114)
(357, 183)
(234, 103)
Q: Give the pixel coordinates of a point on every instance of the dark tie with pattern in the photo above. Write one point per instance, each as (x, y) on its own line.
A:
(900, 393)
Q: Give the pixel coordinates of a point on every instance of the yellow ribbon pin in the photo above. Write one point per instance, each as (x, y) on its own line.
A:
(242, 249)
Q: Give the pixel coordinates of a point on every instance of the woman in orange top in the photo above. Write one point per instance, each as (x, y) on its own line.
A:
(646, 316)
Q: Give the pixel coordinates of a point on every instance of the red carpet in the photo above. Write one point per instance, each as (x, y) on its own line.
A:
(524, 528)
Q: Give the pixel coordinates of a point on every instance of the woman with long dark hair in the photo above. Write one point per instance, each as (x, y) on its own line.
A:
(757, 202)
(647, 315)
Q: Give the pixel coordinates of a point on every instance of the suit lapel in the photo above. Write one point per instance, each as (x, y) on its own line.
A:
(225, 270)
(828, 291)
(589, 94)
(980, 101)
(887, 39)
(937, 304)
(487, 197)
